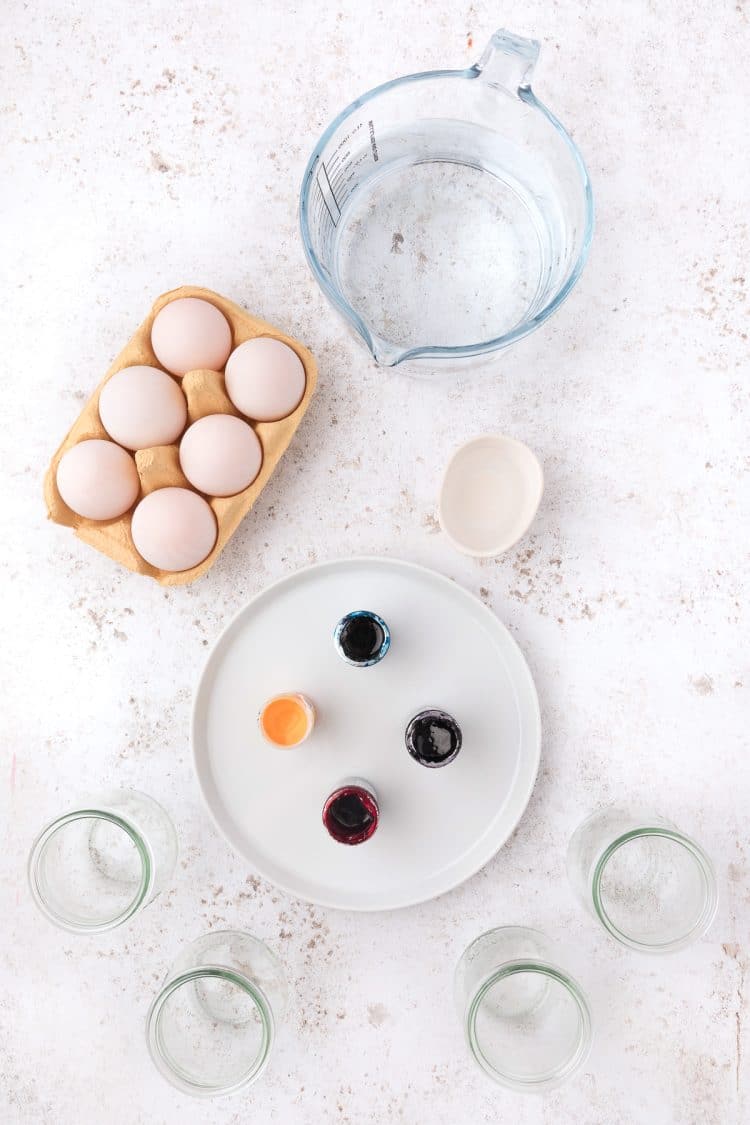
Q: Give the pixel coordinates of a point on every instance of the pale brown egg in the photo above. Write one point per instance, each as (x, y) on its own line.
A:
(188, 334)
(173, 529)
(98, 479)
(265, 379)
(141, 407)
(220, 455)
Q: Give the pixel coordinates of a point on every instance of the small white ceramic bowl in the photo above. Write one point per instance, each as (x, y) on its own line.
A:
(490, 494)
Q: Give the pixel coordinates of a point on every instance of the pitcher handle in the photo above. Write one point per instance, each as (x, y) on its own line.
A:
(508, 61)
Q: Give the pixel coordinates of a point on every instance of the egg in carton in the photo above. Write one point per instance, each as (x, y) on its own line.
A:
(159, 467)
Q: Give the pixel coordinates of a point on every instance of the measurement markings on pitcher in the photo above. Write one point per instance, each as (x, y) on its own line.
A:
(326, 191)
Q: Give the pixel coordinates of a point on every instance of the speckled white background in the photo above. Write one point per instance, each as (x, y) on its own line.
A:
(150, 144)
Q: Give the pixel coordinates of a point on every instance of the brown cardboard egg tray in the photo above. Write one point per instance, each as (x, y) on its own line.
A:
(159, 467)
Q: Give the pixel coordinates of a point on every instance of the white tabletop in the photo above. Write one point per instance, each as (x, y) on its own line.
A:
(151, 144)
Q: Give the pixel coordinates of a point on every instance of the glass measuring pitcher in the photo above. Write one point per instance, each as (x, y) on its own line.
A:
(447, 214)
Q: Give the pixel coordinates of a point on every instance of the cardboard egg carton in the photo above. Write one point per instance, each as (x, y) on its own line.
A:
(159, 467)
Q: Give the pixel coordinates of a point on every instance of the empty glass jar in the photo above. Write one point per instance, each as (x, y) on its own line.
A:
(98, 865)
(212, 1026)
(650, 886)
(526, 1021)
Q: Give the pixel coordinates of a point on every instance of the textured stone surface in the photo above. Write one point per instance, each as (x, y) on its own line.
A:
(151, 144)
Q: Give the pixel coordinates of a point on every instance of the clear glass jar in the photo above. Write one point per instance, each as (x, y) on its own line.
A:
(651, 887)
(527, 1022)
(98, 865)
(211, 1028)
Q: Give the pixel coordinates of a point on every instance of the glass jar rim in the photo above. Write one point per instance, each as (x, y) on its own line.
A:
(174, 1074)
(47, 835)
(545, 1080)
(702, 862)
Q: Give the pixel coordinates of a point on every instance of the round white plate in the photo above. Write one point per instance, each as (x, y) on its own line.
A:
(437, 826)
